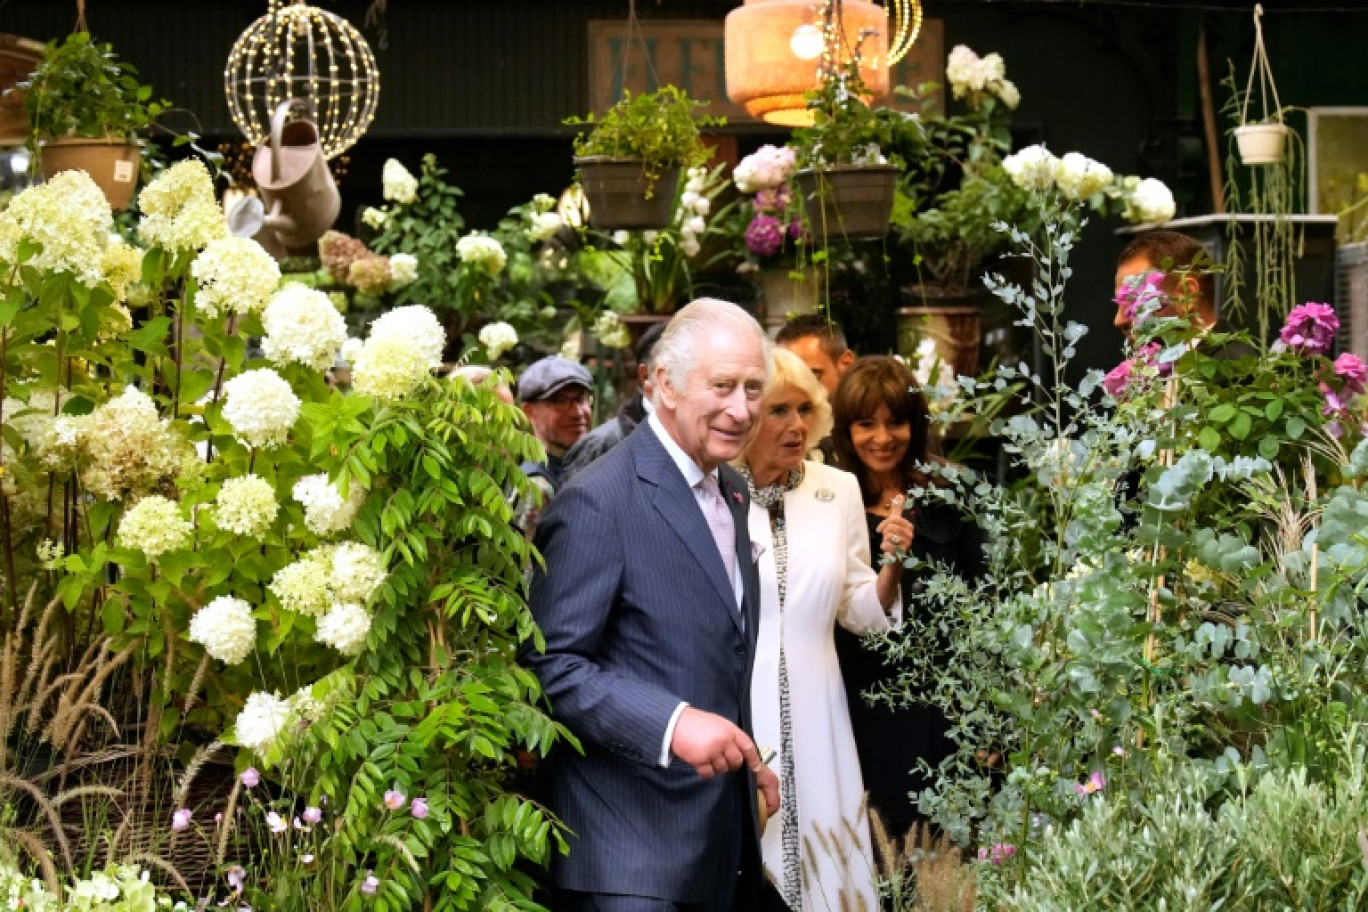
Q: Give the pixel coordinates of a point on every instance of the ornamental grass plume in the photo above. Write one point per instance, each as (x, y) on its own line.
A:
(326, 511)
(264, 718)
(70, 217)
(225, 628)
(260, 407)
(154, 526)
(246, 506)
(302, 327)
(235, 275)
(180, 209)
(344, 628)
(125, 448)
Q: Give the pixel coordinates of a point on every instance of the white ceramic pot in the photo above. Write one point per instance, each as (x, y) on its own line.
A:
(1262, 144)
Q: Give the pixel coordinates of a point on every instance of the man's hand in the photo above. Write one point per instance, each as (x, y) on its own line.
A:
(712, 745)
(768, 784)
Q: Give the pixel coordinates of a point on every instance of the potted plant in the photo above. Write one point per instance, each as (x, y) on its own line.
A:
(846, 179)
(86, 108)
(1262, 141)
(630, 160)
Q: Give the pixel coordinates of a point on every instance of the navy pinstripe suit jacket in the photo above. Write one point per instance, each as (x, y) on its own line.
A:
(638, 615)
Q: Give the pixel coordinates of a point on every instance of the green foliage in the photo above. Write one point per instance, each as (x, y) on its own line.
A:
(81, 88)
(427, 228)
(847, 131)
(659, 127)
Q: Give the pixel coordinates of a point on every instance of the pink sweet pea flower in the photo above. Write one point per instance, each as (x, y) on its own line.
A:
(1310, 329)
(312, 815)
(181, 819)
(370, 884)
(237, 876)
(250, 777)
(1117, 379)
(275, 823)
(1000, 852)
(394, 799)
(419, 808)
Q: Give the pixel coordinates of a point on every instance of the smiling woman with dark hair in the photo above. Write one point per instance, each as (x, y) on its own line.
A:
(882, 435)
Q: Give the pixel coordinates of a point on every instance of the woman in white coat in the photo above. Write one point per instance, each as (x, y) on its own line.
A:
(807, 525)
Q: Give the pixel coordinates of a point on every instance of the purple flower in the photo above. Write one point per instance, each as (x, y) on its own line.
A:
(1310, 329)
(250, 777)
(773, 200)
(765, 236)
(394, 799)
(1354, 372)
(312, 815)
(419, 808)
(1140, 296)
(1117, 379)
(1094, 784)
(181, 819)
(796, 232)
(370, 884)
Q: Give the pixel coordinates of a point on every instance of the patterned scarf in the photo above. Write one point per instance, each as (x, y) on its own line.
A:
(771, 497)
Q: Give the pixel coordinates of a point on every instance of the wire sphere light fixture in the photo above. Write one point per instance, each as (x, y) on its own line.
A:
(300, 51)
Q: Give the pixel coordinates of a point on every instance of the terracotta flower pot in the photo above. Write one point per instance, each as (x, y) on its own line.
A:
(1262, 144)
(853, 202)
(616, 189)
(112, 164)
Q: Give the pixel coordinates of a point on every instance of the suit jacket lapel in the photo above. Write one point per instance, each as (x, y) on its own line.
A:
(738, 501)
(679, 507)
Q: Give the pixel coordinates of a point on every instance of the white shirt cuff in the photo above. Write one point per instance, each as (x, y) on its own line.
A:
(669, 734)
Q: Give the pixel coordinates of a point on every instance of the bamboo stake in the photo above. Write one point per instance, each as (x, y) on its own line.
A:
(1209, 125)
(1315, 576)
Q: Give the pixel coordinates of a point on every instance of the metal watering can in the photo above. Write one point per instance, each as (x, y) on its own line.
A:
(299, 199)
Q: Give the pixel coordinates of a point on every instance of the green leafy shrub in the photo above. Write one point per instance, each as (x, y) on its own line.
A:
(660, 128)
(81, 88)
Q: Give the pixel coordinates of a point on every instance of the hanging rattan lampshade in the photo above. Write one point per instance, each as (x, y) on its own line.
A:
(767, 77)
(300, 51)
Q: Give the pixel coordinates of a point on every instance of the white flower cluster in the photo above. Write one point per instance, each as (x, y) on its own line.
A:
(350, 349)
(246, 506)
(124, 447)
(344, 628)
(1080, 178)
(122, 267)
(497, 338)
(694, 204)
(326, 511)
(1148, 200)
(1033, 168)
(764, 169)
(403, 269)
(260, 406)
(264, 718)
(975, 78)
(302, 586)
(544, 225)
(302, 327)
(346, 572)
(154, 526)
(180, 209)
(398, 185)
(403, 348)
(225, 628)
(357, 570)
(611, 331)
(373, 218)
(482, 251)
(234, 275)
(69, 216)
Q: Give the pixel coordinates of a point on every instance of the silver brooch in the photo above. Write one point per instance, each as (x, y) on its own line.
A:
(825, 495)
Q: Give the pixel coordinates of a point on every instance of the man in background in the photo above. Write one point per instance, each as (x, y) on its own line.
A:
(821, 345)
(557, 396)
(1189, 285)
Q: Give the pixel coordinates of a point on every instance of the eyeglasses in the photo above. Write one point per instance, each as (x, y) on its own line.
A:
(568, 399)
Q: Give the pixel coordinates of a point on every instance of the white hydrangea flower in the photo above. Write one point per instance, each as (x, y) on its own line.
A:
(122, 267)
(764, 169)
(357, 571)
(246, 506)
(415, 325)
(544, 225)
(373, 218)
(483, 252)
(1151, 201)
(611, 331)
(344, 628)
(302, 586)
(350, 349)
(235, 275)
(398, 185)
(154, 526)
(962, 71)
(264, 718)
(403, 270)
(497, 338)
(226, 629)
(543, 202)
(260, 406)
(180, 208)
(302, 327)
(306, 706)
(1033, 168)
(1009, 94)
(70, 217)
(325, 510)
(1080, 177)
(389, 369)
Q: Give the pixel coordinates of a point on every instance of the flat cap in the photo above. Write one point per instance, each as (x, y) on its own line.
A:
(544, 378)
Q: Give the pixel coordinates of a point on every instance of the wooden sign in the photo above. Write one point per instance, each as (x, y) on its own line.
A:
(691, 54)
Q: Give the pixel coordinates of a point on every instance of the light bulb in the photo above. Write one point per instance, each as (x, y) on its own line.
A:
(806, 41)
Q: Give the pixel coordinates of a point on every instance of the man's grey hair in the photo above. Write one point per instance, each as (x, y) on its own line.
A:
(681, 345)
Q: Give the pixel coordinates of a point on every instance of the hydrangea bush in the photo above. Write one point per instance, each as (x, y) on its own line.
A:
(330, 580)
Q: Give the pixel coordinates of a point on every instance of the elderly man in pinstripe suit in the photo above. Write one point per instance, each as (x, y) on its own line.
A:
(649, 606)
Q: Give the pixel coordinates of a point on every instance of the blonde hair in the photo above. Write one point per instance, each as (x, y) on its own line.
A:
(787, 369)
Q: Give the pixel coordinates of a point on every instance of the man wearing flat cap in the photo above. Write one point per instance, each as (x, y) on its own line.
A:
(557, 396)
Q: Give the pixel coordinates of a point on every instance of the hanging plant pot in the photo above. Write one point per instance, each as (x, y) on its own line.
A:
(956, 331)
(850, 202)
(782, 295)
(1262, 144)
(616, 189)
(112, 164)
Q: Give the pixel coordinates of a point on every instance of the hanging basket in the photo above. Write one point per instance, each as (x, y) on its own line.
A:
(112, 164)
(783, 296)
(616, 189)
(1262, 144)
(850, 202)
